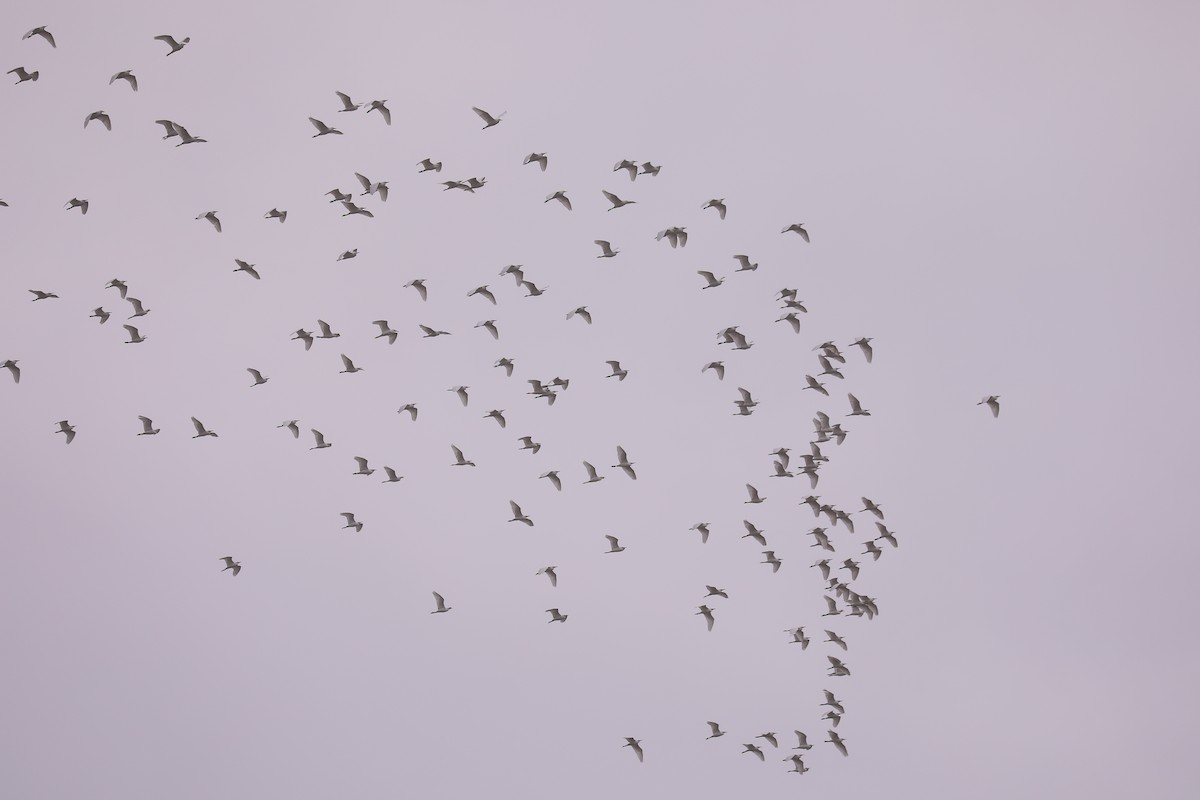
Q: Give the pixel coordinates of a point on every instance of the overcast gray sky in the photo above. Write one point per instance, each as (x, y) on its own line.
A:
(1002, 195)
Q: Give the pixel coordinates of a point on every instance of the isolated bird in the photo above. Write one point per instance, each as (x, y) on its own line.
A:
(489, 325)
(613, 545)
(551, 574)
(100, 117)
(75, 202)
(864, 344)
(560, 196)
(497, 415)
(134, 336)
(42, 32)
(636, 744)
(442, 608)
(322, 128)
(527, 443)
(872, 549)
(752, 532)
(484, 292)
(886, 535)
(650, 169)
(832, 605)
(211, 216)
(716, 731)
(616, 201)
(803, 739)
(840, 642)
(385, 331)
(125, 75)
(606, 249)
(837, 742)
(488, 118)
(712, 280)
(349, 366)
(507, 364)
(236, 566)
(304, 336)
(373, 187)
(702, 527)
(319, 438)
(275, 213)
(518, 515)
(363, 469)
(201, 430)
(68, 429)
(23, 75)
(461, 391)
(538, 158)
(170, 41)
(247, 268)
(348, 254)
(706, 612)
(617, 371)
(792, 320)
(184, 136)
(754, 495)
(459, 461)
(713, 591)
(856, 409)
(258, 377)
(837, 668)
(351, 522)
(555, 616)
(993, 402)
(769, 737)
(353, 209)
(554, 479)
(797, 227)
(815, 385)
(718, 204)
(419, 285)
(532, 288)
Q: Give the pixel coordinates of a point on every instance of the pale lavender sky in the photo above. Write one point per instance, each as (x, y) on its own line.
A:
(1003, 195)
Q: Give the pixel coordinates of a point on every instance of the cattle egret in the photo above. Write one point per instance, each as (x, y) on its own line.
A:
(236, 566)
(459, 461)
(258, 377)
(68, 429)
(718, 204)
(125, 75)
(42, 32)
(363, 469)
(549, 573)
(636, 744)
(555, 616)
(351, 522)
(613, 545)
(706, 612)
(171, 42)
(322, 128)
(518, 515)
(201, 430)
(797, 227)
(606, 249)
(442, 608)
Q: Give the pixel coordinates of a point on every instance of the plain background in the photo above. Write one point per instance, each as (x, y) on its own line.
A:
(1003, 195)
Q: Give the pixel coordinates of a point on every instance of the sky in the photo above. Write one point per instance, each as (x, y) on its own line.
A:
(1001, 195)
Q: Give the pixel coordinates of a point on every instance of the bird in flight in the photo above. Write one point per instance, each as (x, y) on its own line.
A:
(101, 117)
(68, 429)
(100, 314)
(797, 227)
(42, 32)
(82, 205)
(488, 118)
(636, 744)
(211, 216)
(322, 128)
(127, 76)
(538, 158)
(23, 75)
(201, 430)
(993, 402)
(236, 566)
(606, 249)
(549, 573)
(148, 428)
(555, 616)
(442, 608)
(614, 546)
(171, 42)
(718, 204)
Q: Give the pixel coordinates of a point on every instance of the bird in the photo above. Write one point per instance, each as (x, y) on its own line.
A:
(837, 667)
(613, 545)
(170, 41)
(392, 477)
(872, 549)
(363, 469)
(718, 204)
(484, 292)
(887, 535)
(148, 428)
(772, 560)
(319, 438)
(125, 75)
(101, 117)
(753, 532)
(803, 739)
(864, 344)
(751, 748)
(713, 591)
(385, 330)
(792, 320)
(373, 187)
(712, 280)
(754, 495)
(40, 295)
(676, 236)
(201, 430)
(461, 391)
(560, 196)
(538, 158)
(185, 137)
(624, 463)
(275, 213)
(75, 202)
(134, 336)
(42, 32)
(339, 196)
(347, 103)
(348, 254)
(591, 471)
(442, 608)
(68, 429)
(258, 377)
(606, 249)
(630, 166)
(326, 330)
(815, 385)
(429, 166)
(459, 461)
(211, 216)
(840, 642)
(497, 415)
(717, 367)
(549, 573)
(554, 479)
(507, 364)
(746, 266)
(430, 332)
(247, 268)
(650, 169)
(410, 408)
(837, 742)
(873, 507)
(489, 325)
(823, 565)
(518, 515)
(583, 314)
(781, 471)
(769, 737)
(292, 426)
(856, 409)
(138, 309)
(119, 285)
(636, 744)
(168, 126)
(993, 402)
(349, 366)
(716, 731)
(384, 111)
(419, 285)
(616, 201)
(322, 128)
(532, 288)
(527, 443)
(617, 371)
(706, 612)
(351, 522)
(798, 637)
(702, 527)
(352, 209)
(833, 717)
(832, 605)
(304, 336)
(555, 616)
(488, 118)
(23, 75)
(797, 227)
(236, 566)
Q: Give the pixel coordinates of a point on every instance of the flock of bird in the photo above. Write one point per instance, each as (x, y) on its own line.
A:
(829, 363)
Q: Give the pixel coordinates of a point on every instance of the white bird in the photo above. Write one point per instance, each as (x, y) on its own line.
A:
(613, 545)
(303, 336)
(772, 560)
(148, 428)
(539, 158)
(527, 443)
(630, 166)
(373, 187)
(713, 591)
(292, 426)
(702, 527)
(746, 266)
(119, 285)
(489, 325)
(427, 165)
(171, 42)
(348, 254)
(384, 111)
(498, 415)
(753, 532)
(993, 402)
(363, 469)
(134, 336)
(532, 288)
(616, 201)
(833, 638)
(484, 292)
(419, 285)
(856, 409)
(560, 196)
(617, 371)
(792, 320)
(247, 268)
(184, 136)
(822, 565)
(138, 309)
(837, 742)
(770, 737)
(430, 332)
(606, 248)
(322, 128)
(23, 75)
(68, 429)
(815, 385)
(751, 748)
(554, 479)
(551, 574)
(887, 535)
(326, 330)
(624, 463)
(873, 507)
(837, 668)
(712, 280)
(518, 515)
(40, 295)
(351, 522)
(592, 476)
(676, 236)
(804, 745)
(798, 637)
(42, 32)
(754, 496)
(125, 75)
(339, 196)
(201, 430)
(100, 117)
(507, 364)
(555, 615)
(258, 377)
(717, 367)
(392, 477)
(833, 609)
(459, 461)
(636, 744)
(75, 202)
(410, 408)
(347, 103)
(650, 169)
(349, 366)
(385, 330)
(797, 227)
(320, 440)
(716, 730)
(872, 549)
(718, 204)
(488, 118)
(211, 216)
(236, 566)
(706, 612)
(442, 608)
(583, 314)
(461, 391)
(864, 344)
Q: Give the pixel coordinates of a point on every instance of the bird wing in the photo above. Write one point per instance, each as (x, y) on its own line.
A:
(485, 116)
(516, 510)
(347, 362)
(441, 601)
(364, 180)
(612, 540)
(197, 423)
(362, 462)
